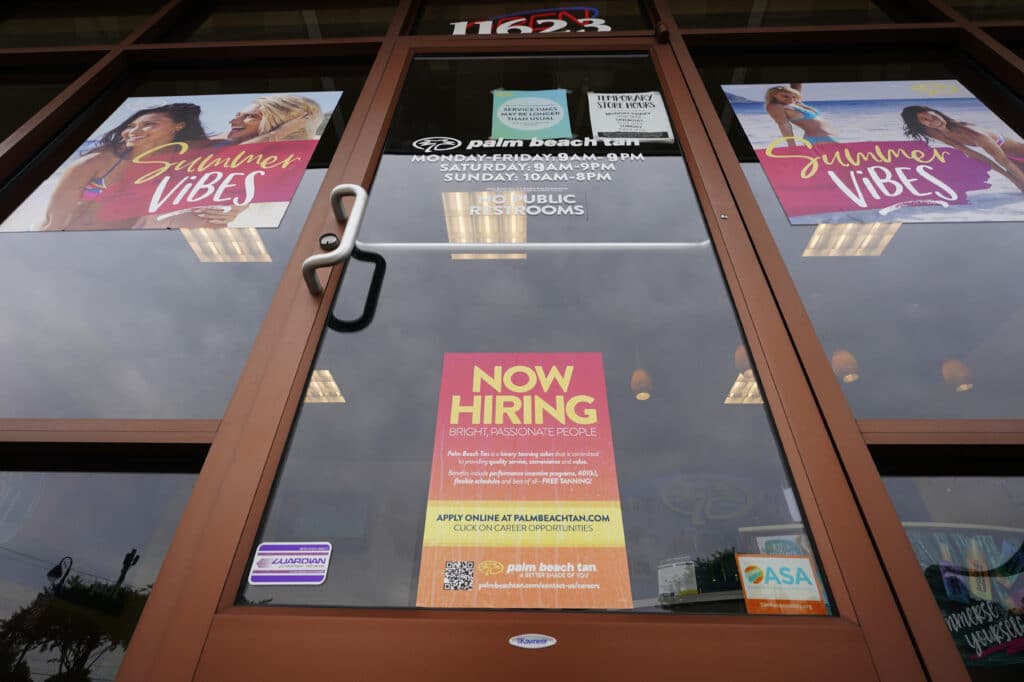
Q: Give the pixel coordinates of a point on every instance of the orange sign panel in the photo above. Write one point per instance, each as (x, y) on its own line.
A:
(523, 510)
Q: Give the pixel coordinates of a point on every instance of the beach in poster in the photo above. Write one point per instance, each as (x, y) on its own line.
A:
(191, 161)
(886, 151)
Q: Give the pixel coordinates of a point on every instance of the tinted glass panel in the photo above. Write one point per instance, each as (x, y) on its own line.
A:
(697, 478)
(25, 91)
(968, 535)
(504, 18)
(79, 553)
(233, 20)
(149, 323)
(753, 13)
(913, 325)
(28, 24)
(990, 9)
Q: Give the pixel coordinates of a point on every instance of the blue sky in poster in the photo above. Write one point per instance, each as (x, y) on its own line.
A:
(874, 90)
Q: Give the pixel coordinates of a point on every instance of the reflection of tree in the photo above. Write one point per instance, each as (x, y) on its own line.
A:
(11, 666)
(717, 571)
(77, 623)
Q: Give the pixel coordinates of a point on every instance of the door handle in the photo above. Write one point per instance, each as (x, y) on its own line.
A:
(348, 237)
(372, 295)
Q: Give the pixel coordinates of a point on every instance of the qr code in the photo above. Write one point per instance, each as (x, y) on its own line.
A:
(458, 575)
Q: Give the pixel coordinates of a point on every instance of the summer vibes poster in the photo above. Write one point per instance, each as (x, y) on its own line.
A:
(184, 162)
(892, 151)
(523, 509)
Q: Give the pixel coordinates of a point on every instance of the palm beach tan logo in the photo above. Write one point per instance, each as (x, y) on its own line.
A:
(491, 567)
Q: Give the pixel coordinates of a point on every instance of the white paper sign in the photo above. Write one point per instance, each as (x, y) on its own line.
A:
(629, 115)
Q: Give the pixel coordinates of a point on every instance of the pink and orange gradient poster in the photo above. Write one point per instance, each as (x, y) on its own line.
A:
(523, 510)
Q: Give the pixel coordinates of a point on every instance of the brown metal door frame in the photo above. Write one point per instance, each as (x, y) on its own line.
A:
(850, 437)
(192, 625)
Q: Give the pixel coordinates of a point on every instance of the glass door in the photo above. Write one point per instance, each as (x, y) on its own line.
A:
(532, 419)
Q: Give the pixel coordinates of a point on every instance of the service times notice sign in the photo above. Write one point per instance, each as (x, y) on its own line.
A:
(523, 510)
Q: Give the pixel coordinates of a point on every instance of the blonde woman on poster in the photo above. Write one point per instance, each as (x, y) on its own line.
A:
(784, 103)
(1004, 155)
(92, 183)
(273, 118)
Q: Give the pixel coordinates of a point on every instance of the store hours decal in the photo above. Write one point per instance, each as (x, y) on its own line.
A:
(515, 172)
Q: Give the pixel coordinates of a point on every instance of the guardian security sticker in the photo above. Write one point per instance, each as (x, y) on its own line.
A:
(780, 584)
(290, 563)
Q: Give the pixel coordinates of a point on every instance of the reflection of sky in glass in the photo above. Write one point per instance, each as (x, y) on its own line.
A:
(938, 292)
(692, 471)
(696, 476)
(130, 324)
(93, 518)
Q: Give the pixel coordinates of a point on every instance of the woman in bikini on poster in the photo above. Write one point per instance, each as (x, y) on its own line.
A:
(784, 103)
(1004, 155)
(93, 181)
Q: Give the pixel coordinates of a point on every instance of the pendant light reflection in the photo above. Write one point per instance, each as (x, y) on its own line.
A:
(845, 366)
(744, 390)
(641, 385)
(226, 244)
(957, 374)
(322, 388)
(850, 239)
(487, 217)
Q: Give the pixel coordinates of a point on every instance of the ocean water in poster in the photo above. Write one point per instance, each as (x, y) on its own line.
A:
(889, 151)
(192, 161)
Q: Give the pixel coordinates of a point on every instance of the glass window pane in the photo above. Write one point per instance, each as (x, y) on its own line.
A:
(913, 326)
(151, 323)
(754, 13)
(691, 464)
(25, 92)
(71, 23)
(983, 10)
(968, 535)
(79, 553)
(502, 18)
(233, 20)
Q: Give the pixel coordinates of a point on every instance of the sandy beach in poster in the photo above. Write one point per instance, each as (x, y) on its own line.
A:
(870, 112)
(97, 188)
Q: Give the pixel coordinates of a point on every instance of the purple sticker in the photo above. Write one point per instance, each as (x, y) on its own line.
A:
(290, 563)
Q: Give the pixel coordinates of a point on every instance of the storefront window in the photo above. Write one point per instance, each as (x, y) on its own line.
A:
(71, 23)
(141, 307)
(754, 13)
(25, 94)
(981, 10)
(79, 553)
(503, 18)
(968, 535)
(556, 260)
(233, 20)
(886, 259)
